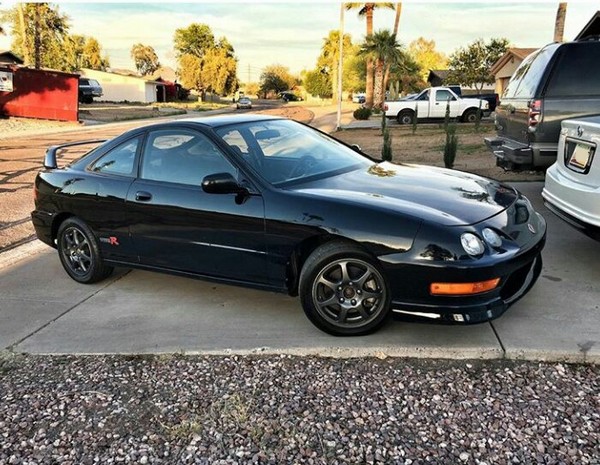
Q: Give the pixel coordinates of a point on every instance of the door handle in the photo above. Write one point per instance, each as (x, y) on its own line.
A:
(143, 196)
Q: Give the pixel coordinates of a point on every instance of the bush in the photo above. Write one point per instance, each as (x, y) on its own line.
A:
(386, 151)
(362, 113)
(451, 146)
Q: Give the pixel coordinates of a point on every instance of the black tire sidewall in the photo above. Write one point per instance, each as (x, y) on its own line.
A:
(404, 114)
(319, 259)
(98, 270)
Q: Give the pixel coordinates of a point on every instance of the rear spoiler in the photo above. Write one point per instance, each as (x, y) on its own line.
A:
(50, 159)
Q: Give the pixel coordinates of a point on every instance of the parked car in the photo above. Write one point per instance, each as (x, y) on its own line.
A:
(559, 81)
(359, 98)
(244, 102)
(431, 104)
(88, 89)
(572, 189)
(289, 97)
(274, 204)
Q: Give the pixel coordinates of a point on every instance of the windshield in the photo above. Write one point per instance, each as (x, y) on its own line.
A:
(283, 151)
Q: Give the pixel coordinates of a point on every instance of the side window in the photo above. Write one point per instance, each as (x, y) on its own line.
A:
(119, 160)
(424, 96)
(526, 79)
(443, 96)
(576, 73)
(182, 156)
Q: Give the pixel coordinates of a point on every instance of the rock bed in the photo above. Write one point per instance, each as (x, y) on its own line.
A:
(284, 410)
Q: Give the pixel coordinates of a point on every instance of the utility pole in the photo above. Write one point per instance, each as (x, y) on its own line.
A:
(340, 68)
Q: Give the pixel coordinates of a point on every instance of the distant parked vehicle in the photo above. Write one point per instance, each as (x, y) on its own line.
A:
(490, 97)
(359, 98)
(431, 104)
(289, 97)
(560, 81)
(88, 89)
(572, 189)
(244, 102)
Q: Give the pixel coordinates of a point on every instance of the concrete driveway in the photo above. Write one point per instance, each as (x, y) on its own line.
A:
(43, 311)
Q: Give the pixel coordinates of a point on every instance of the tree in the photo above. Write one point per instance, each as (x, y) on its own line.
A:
(276, 78)
(382, 48)
(470, 66)
(366, 10)
(318, 83)
(205, 65)
(328, 61)
(194, 40)
(92, 55)
(559, 22)
(38, 29)
(426, 56)
(145, 59)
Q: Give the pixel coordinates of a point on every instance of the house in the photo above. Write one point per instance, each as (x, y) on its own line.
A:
(166, 73)
(591, 29)
(119, 87)
(8, 57)
(436, 77)
(507, 64)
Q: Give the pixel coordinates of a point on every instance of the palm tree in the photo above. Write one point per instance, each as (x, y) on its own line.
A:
(366, 10)
(383, 49)
(396, 24)
(330, 55)
(559, 22)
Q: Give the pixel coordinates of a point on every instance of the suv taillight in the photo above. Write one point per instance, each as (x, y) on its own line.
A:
(535, 113)
(385, 107)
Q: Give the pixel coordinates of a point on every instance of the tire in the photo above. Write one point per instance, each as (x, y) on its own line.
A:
(470, 116)
(405, 117)
(79, 252)
(343, 291)
(89, 99)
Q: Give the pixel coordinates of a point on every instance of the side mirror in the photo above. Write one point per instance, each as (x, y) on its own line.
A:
(356, 148)
(221, 183)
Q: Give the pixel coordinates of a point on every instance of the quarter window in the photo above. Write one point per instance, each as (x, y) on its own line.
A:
(183, 157)
(119, 160)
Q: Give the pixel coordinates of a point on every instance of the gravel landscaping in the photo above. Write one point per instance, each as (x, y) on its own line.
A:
(284, 410)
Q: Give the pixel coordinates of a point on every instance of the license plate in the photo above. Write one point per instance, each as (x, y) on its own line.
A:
(581, 156)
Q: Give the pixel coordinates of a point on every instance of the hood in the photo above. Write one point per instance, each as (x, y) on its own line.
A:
(439, 195)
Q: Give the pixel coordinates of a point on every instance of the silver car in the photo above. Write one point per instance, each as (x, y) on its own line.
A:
(244, 102)
(572, 189)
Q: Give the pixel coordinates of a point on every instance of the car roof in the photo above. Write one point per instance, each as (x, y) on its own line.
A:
(222, 120)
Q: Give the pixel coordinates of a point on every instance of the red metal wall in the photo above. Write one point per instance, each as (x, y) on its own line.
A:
(41, 94)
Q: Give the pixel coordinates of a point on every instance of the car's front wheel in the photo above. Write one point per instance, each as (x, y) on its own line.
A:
(79, 252)
(343, 290)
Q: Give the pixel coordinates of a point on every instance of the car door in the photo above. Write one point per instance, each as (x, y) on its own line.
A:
(108, 180)
(441, 99)
(176, 225)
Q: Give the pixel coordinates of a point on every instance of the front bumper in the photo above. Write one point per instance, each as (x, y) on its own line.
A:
(517, 275)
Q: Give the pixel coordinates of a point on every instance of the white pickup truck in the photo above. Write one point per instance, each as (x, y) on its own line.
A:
(431, 104)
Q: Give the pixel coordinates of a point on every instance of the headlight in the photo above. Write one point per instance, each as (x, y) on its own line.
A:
(472, 244)
(492, 237)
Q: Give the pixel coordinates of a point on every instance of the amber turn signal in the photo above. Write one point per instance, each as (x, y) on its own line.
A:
(463, 288)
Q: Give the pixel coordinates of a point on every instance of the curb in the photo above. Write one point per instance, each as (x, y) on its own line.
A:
(13, 256)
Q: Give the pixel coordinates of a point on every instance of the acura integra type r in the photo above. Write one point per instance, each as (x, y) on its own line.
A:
(274, 204)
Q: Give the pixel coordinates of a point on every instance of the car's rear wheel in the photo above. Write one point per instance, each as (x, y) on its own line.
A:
(406, 117)
(79, 252)
(343, 291)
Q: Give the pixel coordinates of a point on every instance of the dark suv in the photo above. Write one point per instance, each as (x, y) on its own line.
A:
(559, 81)
(88, 89)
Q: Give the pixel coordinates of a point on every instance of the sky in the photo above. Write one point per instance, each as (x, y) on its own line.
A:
(291, 34)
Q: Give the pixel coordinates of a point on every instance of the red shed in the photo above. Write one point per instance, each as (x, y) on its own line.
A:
(37, 93)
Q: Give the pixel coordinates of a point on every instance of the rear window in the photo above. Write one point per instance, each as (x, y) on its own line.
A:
(577, 72)
(527, 77)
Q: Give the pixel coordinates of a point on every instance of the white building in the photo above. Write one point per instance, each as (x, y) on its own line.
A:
(120, 87)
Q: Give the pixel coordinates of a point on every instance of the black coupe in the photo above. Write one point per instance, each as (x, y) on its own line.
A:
(270, 203)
